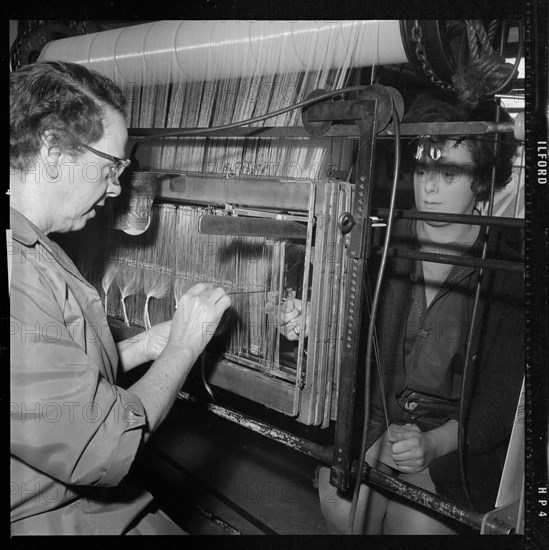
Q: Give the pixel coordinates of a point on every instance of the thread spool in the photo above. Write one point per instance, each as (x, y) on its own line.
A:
(184, 51)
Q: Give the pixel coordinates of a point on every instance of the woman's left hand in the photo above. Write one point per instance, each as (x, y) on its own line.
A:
(156, 340)
(413, 451)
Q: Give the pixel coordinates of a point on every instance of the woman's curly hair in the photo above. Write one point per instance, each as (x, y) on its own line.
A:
(65, 99)
(443, 107)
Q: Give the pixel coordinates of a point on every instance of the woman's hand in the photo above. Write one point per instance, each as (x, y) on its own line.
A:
(290, 319)
(414, 450)
(192, 326)
(195, 320)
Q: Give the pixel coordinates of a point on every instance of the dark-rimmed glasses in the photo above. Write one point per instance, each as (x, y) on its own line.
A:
(115, 169)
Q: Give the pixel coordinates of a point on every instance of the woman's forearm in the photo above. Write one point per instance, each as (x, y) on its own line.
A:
(158, 387)
(132, 352)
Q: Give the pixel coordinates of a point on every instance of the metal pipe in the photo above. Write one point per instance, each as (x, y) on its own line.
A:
(420, 496)
(452, 218)
(307, 447)
(325, 454)
(497, 265)
(407, 129)
(472, 334)
(455, 128)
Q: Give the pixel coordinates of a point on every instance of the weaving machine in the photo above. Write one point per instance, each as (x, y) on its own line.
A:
(267, 212)
(187, 75)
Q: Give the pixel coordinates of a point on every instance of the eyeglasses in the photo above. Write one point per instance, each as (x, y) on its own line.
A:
(116, 169)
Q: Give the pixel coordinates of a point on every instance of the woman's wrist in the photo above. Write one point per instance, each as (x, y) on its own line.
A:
(146, 349)
(442, 440)
(133, 351)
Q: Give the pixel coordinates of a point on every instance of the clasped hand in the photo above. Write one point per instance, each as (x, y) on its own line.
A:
(413, 450)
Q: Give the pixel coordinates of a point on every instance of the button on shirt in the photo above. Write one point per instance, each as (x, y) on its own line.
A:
(74, 433)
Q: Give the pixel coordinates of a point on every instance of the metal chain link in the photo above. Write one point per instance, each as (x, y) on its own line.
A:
(15, 57)
(492, 29)
(427, 68)
(79, 26)
(31, 25)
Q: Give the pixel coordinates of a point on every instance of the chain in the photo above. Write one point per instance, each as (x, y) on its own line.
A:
(15, 56)
(427, 68)
(492, 29)
(80, 27)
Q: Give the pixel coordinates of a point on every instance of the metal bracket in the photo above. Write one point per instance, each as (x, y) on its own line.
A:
(340, 475)
(359, 245)
(371, 111)
(501, 521)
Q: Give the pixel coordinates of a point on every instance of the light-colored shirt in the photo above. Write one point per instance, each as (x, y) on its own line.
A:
(74, 432)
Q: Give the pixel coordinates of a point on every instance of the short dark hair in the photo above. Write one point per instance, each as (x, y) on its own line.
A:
(444, 107)
(65, 98)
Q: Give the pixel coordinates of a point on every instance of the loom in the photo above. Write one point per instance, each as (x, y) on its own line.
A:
(268, 212)
(186, 74)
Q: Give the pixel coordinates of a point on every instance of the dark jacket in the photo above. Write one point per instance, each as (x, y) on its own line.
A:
(494, 377)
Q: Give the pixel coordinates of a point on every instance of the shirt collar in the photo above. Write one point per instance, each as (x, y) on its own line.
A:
(23, 230)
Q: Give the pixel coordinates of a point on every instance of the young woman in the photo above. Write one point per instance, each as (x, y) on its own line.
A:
(422, 325)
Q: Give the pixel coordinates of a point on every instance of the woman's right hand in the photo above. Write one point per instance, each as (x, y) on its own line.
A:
(290, 319)
(196, 319)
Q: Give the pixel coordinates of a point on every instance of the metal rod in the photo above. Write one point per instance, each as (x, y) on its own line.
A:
(497, 265)
(290, 440)
(473, 334)
(247, 292)
(452, 218)
(454, 128)
(351, 131)
(425, 498)
(325, 454)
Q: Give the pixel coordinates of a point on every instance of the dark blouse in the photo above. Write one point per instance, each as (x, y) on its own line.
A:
(434, 348)
(493, 381)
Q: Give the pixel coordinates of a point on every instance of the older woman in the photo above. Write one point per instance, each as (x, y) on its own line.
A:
(74, 432)
(423, 322)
